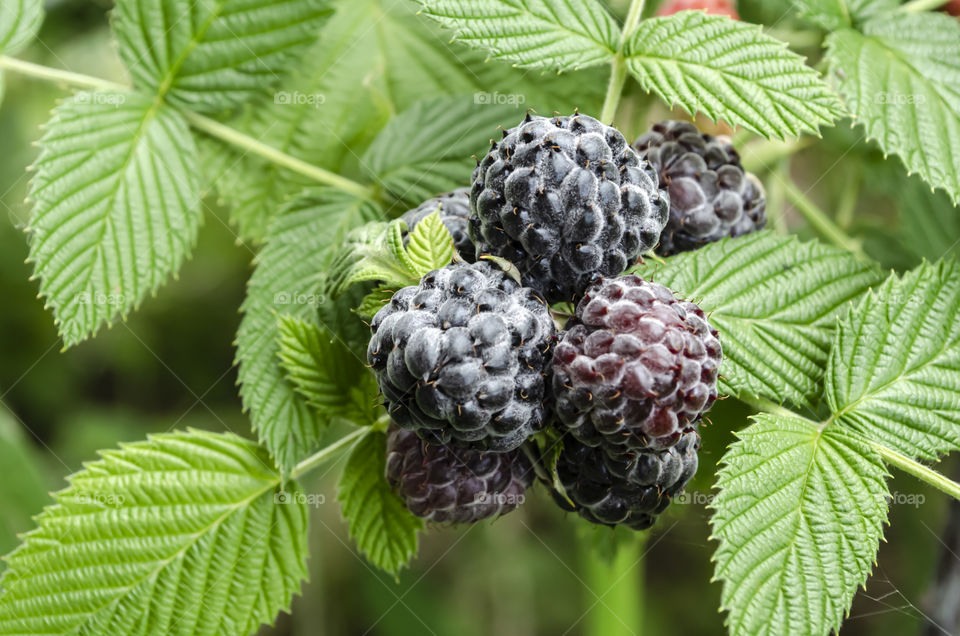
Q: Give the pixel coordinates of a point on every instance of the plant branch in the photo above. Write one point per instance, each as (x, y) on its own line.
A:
(327, 452)
(918, 470)
(204, 124)
(916, 6)
(822, 223)
(618, 65)
(763, 404)
(618, 589)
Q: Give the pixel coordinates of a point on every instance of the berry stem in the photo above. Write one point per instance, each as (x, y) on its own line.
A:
(327, 452)
(822, 223)
(204, 124)
(916, 6)
(618, 65)
(616, 589)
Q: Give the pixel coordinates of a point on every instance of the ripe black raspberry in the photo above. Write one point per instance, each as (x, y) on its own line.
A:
(461, 357)
(710, 194)
(630, 490)
(635, 368)
(454, 210)
(566, 200)
(446, 484)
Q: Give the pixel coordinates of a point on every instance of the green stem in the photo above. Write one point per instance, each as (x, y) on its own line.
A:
(848, 199)
(777, 200)
(759, 155)
(618, 65)
(915, 6)
(619, 588)
(918, 470)
(327, 452)
(822, 223)
(201, 123)
(763, 404)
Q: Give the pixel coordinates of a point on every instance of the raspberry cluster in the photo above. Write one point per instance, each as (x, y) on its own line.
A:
(711, 196)
(471, 365)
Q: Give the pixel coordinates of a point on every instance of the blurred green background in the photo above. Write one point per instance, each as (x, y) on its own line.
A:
(537, 571)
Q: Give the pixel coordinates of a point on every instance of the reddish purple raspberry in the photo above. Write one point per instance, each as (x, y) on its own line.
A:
(630, 490)
(446, 484)
(636, 367)
(711, 196)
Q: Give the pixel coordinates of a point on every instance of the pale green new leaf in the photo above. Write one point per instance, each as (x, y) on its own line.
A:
(19, 22)
(561, 34)
(212, 55)
(799, 518)
(774, 301)
(900, 78)
(427, 150)
(836, 14)
(382, 527)
(730, 70)
(180, 534)
(289, 278)
(375, 301)
(116, 206)
(373, 252)
(895, 364)
(325, 372)
(430, 245)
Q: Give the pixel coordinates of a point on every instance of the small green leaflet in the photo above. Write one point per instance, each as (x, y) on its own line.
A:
(377, 252)
(116, 206)
(895, 365)
(384, 530)
(212, 55)
(799, 518)
(899, 80)
(730, 70)
(375, 301)
(560, 34)
(325, 372)
(774, 301)
(836, 14)
(289, 278)
(427, 149)
(19, 22)
(161, 537)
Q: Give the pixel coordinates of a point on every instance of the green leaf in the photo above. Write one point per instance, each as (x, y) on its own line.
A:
(899, 78)
(836, 14)
(774, 301)
(430, 245)
(117, 206)
(565, 34)
(289, 278)
(427, 149)
(929, 221)
(325, 372)
(895, 364)
(730, 70)
(20, 21)
(180, 534)
(375, 300)
(380, 524)
(212, 55)
(799, 518)
(23, 489)
(374, 252)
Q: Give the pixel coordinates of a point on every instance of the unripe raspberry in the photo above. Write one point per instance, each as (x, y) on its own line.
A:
(461, 358)
(446, 484)
(711, 196)
(454, 209)
(636, 367)
(566, 200)
(631, 489)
